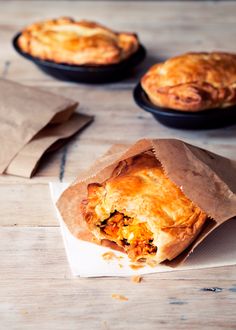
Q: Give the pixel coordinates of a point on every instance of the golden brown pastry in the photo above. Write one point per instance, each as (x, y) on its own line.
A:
(193, 82)
(142, 211)
(64, 40)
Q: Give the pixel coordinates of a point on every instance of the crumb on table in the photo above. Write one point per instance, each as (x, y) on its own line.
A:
(134, 266)
(119, 297)
(136, 279)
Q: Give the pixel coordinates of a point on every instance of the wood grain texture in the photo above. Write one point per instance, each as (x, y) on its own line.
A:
(37, 290)
(43, 249)
(87, 304)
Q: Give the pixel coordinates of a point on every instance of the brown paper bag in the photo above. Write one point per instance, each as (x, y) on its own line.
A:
(209, 180)
(48, 139)
(24, 111)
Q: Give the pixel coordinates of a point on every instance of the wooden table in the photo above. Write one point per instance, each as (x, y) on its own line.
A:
(36, 288)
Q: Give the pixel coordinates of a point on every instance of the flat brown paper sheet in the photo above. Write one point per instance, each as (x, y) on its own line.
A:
(26, 161)
(24, 111)
(207, 179)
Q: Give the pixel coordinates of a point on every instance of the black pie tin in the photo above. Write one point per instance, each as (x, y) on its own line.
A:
(86, 73)
(208, 119)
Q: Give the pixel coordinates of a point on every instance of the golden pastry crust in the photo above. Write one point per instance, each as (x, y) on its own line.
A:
(64, 40)
(141, 210)
(193, 82)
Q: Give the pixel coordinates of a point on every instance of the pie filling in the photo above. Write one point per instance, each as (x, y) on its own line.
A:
(135, 238)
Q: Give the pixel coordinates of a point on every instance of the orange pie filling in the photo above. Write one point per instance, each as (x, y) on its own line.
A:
(135, 238)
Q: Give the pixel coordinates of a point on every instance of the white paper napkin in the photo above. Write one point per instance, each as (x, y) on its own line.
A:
(86, 260)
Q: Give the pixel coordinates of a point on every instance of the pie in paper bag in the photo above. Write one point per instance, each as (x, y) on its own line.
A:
(155, 200)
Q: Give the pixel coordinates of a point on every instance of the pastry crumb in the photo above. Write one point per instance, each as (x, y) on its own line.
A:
(133, 266)
(136, 279)
(119, 297)
(109, 256)
(152, 263)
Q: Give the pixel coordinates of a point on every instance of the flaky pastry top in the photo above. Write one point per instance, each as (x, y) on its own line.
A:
(193, 81)
(139, 189)
(65, 40)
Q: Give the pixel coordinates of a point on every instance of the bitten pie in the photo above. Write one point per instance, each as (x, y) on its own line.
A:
(65, 40)
(142, 211)
(193, 82)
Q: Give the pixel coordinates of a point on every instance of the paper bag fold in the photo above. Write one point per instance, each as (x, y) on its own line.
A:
(25, 163)
(200, 174)
(24, 111)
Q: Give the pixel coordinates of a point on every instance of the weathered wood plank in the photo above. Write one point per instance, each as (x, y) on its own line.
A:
(38, 253)
(87, 304)
(26, 204)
